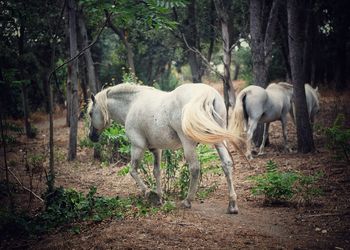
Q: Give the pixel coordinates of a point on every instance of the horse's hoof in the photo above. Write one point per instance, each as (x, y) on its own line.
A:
(232, 208)
(154, 198)
(261, 153)
(249, 157)
(288, 150)
(186, 204)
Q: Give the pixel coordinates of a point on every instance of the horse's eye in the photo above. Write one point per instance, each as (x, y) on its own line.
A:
(90, 114)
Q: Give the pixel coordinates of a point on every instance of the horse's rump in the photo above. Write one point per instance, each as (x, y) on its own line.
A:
(204, 119)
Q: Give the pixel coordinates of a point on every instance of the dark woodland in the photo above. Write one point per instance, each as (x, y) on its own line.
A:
(59, 189)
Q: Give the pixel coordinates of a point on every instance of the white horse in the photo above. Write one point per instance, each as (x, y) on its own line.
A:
(255, 105)
(312, 102)
(157, 120)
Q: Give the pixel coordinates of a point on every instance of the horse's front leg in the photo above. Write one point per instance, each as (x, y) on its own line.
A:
(227, 163)
(265, 135)
(157, 153)
(136, 157)
(193, 163)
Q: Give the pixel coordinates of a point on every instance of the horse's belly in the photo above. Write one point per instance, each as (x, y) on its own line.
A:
(269, 117)
(163, 139)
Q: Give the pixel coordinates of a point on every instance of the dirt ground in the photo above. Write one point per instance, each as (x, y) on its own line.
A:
(324, 225)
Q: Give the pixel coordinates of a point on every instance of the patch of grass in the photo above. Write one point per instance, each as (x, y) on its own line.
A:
(307, 189)
(279, 186)
(204, 192)
(124, 170)
(168, 207)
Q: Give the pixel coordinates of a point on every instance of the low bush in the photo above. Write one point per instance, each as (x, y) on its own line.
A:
(285, 186)
(338, 138)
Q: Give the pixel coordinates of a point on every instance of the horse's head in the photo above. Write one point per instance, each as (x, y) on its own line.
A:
(98, 114)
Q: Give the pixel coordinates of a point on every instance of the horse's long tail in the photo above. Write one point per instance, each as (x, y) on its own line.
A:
(238, 118)
(200, 122)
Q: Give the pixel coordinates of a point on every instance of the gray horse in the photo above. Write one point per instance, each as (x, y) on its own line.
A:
(255, 105)
(156, 120)
(312, 102)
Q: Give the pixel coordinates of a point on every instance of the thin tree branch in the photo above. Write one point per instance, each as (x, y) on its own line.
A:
(205, 60)
(83, 50)
(24, 187)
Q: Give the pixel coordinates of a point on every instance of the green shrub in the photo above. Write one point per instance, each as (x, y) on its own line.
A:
(278, 186)
(10, 138)
(113, 144)
(338, 138)
(64, 207)
(178, 170)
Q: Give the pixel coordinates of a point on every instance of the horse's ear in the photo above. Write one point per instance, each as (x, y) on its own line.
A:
(316, 89)
(93, 98)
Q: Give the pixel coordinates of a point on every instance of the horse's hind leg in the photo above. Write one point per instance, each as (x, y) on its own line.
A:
(193, 163)
(251, 128)
(265, 135)
(284, 130)
(157, 153)
(136, 156)
(227, 163)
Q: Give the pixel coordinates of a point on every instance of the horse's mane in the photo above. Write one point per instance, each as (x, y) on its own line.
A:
(102, 96)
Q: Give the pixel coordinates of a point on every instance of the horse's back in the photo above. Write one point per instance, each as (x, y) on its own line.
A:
(156, 116)
(188, 91)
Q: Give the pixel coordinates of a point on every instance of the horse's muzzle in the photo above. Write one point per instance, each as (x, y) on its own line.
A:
(93, 135)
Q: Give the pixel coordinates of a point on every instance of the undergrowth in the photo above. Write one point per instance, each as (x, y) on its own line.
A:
(338, 138)
(279, 186)
(66, 208)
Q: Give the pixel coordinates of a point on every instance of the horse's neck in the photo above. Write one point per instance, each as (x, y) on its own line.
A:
(119, 105)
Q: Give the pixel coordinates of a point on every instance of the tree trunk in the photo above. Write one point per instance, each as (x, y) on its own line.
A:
(223, 9)
(342, 26)
(262, 30)
(283, 31)
(308, 41)
(212, 30)
(257, 43)
(91, 75)
(192, 39)
(72, 150)
(27, 126)
(69, 95)
(295, 40)
(123, 37)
